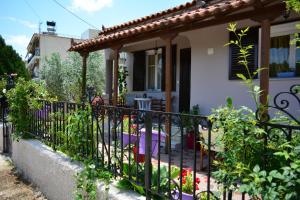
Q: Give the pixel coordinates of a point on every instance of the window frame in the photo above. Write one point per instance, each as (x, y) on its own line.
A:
(281, 30)
(149, 53)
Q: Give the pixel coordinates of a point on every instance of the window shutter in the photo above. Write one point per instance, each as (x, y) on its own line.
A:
(234, 67)
(174, 64)
(139, 71)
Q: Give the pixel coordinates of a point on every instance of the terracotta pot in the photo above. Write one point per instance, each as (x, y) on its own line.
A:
(190, 141)
(139, 158)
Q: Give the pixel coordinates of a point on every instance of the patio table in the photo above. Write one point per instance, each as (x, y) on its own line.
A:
(155, 145)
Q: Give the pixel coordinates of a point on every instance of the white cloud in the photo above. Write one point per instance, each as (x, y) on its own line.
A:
(19, 43)
(90, 5)
(25, 23)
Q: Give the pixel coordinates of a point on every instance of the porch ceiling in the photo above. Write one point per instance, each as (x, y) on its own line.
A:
(173, 21)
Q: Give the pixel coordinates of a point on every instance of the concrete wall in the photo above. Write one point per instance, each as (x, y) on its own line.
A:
(54, 44)
(54, 173)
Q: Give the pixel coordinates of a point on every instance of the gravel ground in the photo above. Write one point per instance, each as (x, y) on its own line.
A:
(12, 187)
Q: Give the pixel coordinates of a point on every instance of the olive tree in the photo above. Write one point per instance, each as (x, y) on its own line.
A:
(63, 77)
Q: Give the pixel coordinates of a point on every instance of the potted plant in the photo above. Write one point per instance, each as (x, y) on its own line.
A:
(187, 185)
(285, 71)
(187, 123)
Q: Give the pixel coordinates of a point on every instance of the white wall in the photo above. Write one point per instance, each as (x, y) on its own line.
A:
(53, 44)
(210, 85)
(54, 173)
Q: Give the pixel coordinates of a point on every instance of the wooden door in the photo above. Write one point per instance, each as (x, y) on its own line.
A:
(185, 80)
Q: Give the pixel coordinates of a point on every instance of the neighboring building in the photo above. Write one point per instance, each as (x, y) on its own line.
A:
(44, 44)
(200, 69)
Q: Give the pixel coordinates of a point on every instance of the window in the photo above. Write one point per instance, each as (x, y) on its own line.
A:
(149, 69)
(154, 69)
(283, 57)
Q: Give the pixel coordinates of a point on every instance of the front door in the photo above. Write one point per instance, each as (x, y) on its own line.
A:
(185, 80)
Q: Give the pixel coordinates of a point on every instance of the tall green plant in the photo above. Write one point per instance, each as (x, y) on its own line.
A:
(244, 54)
(79, 139)
(23, 100)
(242, 164)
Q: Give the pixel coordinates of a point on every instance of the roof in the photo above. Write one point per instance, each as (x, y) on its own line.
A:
(180, 15)
(147, 18)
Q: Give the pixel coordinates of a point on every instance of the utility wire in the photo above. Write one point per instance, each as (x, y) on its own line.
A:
(33, 10)
(55, 1)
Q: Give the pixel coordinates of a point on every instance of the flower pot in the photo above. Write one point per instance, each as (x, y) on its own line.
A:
(190, 141)
(185, 196)
(286, 74)
(139, 158)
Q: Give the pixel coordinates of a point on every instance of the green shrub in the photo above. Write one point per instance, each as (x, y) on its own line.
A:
(23, 100)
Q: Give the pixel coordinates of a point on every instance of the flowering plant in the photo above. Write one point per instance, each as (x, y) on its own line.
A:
(187, 181)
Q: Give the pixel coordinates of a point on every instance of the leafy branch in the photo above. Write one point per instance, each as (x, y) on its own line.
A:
(244, 53)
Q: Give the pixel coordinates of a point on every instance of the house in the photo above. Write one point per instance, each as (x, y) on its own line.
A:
(179, 54)
(44, 44)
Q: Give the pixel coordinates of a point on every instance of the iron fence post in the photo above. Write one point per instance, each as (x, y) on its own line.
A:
(148, 142)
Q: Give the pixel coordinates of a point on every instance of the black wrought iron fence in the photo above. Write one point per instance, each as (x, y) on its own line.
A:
(4, 109)
(163, 155)
(147, 148)
(5, 126)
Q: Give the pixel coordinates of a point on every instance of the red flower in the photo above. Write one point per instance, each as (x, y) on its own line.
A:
(183, 181)
(133, 126)
(197, 180)
(197, 187)
(184, 173)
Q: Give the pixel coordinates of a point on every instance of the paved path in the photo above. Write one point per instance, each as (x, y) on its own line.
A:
(12, 187)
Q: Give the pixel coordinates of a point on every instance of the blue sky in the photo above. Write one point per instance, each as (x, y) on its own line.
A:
(19, 19)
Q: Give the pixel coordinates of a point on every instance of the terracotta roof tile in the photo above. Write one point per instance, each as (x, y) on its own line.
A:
(163, 23)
